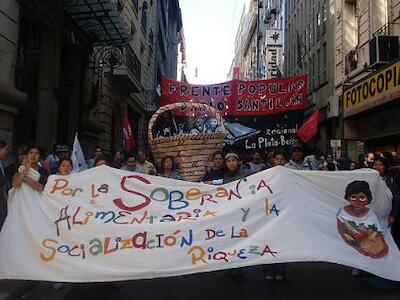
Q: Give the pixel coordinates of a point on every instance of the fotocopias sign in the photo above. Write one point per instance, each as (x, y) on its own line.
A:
(241, 98)
(105, 224)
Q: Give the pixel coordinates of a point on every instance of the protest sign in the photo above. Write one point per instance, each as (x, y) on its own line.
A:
(241, 98)
(105, 224)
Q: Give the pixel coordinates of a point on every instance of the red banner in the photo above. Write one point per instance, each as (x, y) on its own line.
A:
(128, 138)
(309, 128)
(241, 98)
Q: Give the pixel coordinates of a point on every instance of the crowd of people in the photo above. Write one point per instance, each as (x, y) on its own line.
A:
(32, 167)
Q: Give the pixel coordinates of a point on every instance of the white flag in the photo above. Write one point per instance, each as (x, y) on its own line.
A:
(77, 157)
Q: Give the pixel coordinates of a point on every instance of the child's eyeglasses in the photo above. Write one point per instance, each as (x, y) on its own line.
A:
(360, 198)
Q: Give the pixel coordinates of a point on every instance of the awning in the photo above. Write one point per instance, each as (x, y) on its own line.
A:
(100, 19)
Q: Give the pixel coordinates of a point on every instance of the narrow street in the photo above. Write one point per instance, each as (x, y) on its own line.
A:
(305, 281)
(153, 138)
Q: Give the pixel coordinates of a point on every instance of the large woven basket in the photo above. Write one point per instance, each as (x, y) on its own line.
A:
(192, 153)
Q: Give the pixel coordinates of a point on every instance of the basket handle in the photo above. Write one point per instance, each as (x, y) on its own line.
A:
(172, 106)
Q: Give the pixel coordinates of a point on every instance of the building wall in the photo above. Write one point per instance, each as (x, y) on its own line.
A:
(309, 48)
(250, 48)
(237, 60)
(10, 97)
(57, 82)
(356, 24)
(168, 38)
(156, 47)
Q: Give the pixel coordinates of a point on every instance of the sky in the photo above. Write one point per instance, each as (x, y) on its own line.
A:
(210, 28)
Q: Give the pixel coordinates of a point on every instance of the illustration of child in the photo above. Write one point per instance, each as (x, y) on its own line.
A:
(199, 126)
(213, 126)
(358, 225)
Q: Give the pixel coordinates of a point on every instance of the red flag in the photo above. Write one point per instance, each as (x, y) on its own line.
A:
(129, 140)
(309, 128)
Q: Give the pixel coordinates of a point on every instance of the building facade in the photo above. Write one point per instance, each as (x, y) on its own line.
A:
(310, 49)
(366, 65)
(11, 98)
(169, 37)
(344, 46)
(255, 56)
(80, 66)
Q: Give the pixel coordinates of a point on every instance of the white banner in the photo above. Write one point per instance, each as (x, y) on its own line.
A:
(105, 225)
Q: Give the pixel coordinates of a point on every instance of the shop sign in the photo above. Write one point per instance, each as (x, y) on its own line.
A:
(380, 88)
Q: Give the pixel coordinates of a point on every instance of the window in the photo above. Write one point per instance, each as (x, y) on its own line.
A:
(151, 38)
(313, 26)
(144, 20)
(136, 4)
(318, 67)
(120, 5)
(133, 28)
(324, 16)
(324, 63)
(150, 56)
(319, 20)
(310, 74)
(314, 72)
(305, 69)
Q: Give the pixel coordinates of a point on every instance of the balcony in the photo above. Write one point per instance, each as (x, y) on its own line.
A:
(99, 19)
(128, 75)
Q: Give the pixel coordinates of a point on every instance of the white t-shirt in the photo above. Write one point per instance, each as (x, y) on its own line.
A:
(369, 219)
(32, 173)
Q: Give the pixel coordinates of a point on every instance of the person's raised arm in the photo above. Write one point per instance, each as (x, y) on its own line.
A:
(37, 186)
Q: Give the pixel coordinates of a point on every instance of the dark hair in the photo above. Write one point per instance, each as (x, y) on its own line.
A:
(279, 152)
(40, 149)
(162, 166)
(297, 147)
(384, 161)
(389, 157)
(358, 186)
(101, 157)
(55, 146)
(3, 143)
(21, 149)
(130, 155)
(65, 159)
(217, 153)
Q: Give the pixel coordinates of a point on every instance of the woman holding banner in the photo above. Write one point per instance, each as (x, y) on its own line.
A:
(31, 172)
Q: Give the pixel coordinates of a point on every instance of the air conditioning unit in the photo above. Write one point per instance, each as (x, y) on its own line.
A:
(383, 49)
(333, 107)
(351, 60)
